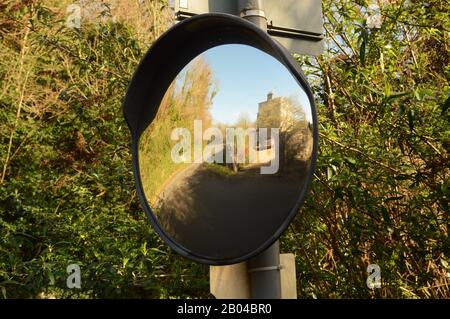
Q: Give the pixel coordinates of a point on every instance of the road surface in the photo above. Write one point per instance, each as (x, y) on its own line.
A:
(221, 215)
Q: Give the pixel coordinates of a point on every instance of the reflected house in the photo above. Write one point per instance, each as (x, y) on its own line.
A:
(295, 131)
(275, 113)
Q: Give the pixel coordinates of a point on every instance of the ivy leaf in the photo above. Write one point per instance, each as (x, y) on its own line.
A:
(52, 279)
(386, 216)
(329, 173)
(445, 106)
(394, 198)
(411, 117)
(401, 109)
(396, 96)
(350, 160)
(362, 50)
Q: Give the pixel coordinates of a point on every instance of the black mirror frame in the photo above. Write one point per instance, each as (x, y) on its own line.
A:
(162, 63)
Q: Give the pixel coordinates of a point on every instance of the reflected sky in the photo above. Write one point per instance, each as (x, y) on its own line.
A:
(249, 74)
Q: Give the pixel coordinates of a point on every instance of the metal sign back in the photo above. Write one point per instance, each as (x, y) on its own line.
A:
(296, 24)
(187, 8)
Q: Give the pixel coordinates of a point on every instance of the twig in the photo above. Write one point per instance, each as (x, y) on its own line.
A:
(19, 105)
(338, 44)
(359, 152)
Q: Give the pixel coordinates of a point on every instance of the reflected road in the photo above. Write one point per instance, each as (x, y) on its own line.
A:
(237, 212)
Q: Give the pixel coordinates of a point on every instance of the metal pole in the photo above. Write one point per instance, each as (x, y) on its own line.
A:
(253, 11)
(264, 269)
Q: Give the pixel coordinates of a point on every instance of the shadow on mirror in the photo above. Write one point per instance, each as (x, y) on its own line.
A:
(226, 158)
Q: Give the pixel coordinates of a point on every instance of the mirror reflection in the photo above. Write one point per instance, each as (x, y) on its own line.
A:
(225, 159)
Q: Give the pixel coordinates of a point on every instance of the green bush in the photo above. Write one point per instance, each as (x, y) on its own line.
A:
(381, 189)
(68, 194)
(380, 193)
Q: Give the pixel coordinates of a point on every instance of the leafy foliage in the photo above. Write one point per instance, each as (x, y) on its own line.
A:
(188, 99)
(67, 193)
(380, 193)
(381, 189)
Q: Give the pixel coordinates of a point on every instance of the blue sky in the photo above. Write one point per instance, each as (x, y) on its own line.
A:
(245, 75)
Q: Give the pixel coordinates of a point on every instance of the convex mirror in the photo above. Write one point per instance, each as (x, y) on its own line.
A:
(224, 138)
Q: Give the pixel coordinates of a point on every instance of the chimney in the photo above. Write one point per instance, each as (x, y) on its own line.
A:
(269, 96)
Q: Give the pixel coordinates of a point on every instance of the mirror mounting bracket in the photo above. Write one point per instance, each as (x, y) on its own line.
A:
(253, 11)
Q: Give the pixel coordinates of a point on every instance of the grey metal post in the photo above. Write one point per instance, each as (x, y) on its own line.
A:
(253, 11)
(264, 269)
